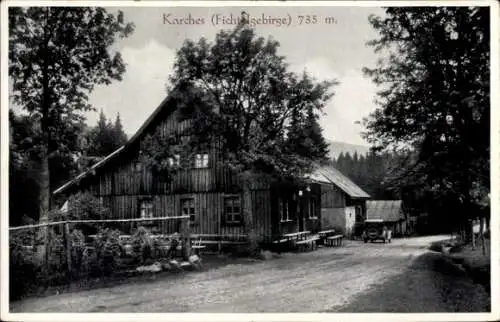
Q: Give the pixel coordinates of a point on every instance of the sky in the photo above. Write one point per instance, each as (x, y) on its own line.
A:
(333, 48)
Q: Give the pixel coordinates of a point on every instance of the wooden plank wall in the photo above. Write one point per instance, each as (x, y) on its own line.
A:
(122, 185)
(332, 196)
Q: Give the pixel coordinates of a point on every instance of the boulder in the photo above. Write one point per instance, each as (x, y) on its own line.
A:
(195, 261)
(154, 268)
(175, 265)
(166, 266)
(265, 255)
(187, 266)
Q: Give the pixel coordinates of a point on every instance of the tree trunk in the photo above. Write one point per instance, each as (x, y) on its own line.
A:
(248, 217)
(44, 197)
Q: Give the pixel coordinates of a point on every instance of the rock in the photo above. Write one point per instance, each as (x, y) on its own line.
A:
(175, 265)
(446, 249)
(195, 261)
(154, 268)
(194, 258)
(266, 255)
(187, 266)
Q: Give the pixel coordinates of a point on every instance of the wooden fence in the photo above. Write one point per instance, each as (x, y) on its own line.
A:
(66, 232)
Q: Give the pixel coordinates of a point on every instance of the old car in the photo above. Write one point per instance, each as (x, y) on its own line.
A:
(375, 229)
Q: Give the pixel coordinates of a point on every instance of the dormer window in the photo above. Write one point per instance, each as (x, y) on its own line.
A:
(138, 166)
(174, 161)
(201, 161)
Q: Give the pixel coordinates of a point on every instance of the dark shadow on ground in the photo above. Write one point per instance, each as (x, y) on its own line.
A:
(430, 284)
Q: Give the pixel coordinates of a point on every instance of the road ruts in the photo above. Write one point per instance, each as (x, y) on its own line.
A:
(329, 279)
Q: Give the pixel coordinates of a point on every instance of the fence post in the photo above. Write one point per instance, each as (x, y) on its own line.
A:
(186, 236)
(67, 238)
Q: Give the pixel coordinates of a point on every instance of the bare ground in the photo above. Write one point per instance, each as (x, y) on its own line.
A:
(403, 276)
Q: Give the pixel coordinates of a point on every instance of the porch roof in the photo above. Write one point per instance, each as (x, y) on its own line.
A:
(330, 175)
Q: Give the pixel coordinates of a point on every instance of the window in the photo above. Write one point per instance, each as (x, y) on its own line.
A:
(146, 208)
(283, 210)
(312, 209)
(174, 161)
(359, 215)
(201, 161)
(232, 210)
(187, 207)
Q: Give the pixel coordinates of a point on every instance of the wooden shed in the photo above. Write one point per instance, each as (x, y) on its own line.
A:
(391, 212)
(343, 203)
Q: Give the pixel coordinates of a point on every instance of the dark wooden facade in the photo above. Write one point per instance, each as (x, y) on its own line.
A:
(211, 195)
(130, 190)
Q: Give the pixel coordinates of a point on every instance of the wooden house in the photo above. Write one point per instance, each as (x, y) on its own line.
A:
(343, 203)
(391, 212)
(208, 192)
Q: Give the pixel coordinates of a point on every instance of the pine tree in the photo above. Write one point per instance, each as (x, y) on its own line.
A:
(105, 137)
(120, 138)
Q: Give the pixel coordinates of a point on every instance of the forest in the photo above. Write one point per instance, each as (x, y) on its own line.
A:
(86, 146)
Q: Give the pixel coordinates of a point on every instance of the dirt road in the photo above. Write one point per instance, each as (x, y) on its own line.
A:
(403, 276)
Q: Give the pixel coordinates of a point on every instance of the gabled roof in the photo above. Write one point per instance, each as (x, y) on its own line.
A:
(388, 210)
(118, 151)
(330, 175)
(322, 174)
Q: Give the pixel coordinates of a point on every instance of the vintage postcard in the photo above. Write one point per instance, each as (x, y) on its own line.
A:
(249, 160)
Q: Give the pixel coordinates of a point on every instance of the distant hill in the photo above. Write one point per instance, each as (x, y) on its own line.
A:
(337, 147)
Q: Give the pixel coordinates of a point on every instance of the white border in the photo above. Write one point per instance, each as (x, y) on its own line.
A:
(495, 174)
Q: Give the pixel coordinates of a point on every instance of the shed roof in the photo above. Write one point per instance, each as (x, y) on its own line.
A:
(330, 175)
(388, 210)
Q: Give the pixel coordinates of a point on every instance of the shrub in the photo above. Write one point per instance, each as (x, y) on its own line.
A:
(30, 271)
(85, 206)
(22, 270)
(142, 245)
(77, 240)
(108, 250)
(57, 261)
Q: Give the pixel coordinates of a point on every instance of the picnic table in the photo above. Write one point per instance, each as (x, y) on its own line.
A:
(324, 234)
(301, 240)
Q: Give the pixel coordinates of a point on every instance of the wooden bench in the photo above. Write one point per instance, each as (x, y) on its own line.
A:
(324, 234)
(201, 241)
(334, 240)
(301, 240)
(298, 236)
(309, 243)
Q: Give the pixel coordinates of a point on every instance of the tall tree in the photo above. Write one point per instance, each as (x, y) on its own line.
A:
(238, 91)
(120, 137)
(435, 97)
(304, 134)
(105, 137)
(56, 57)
